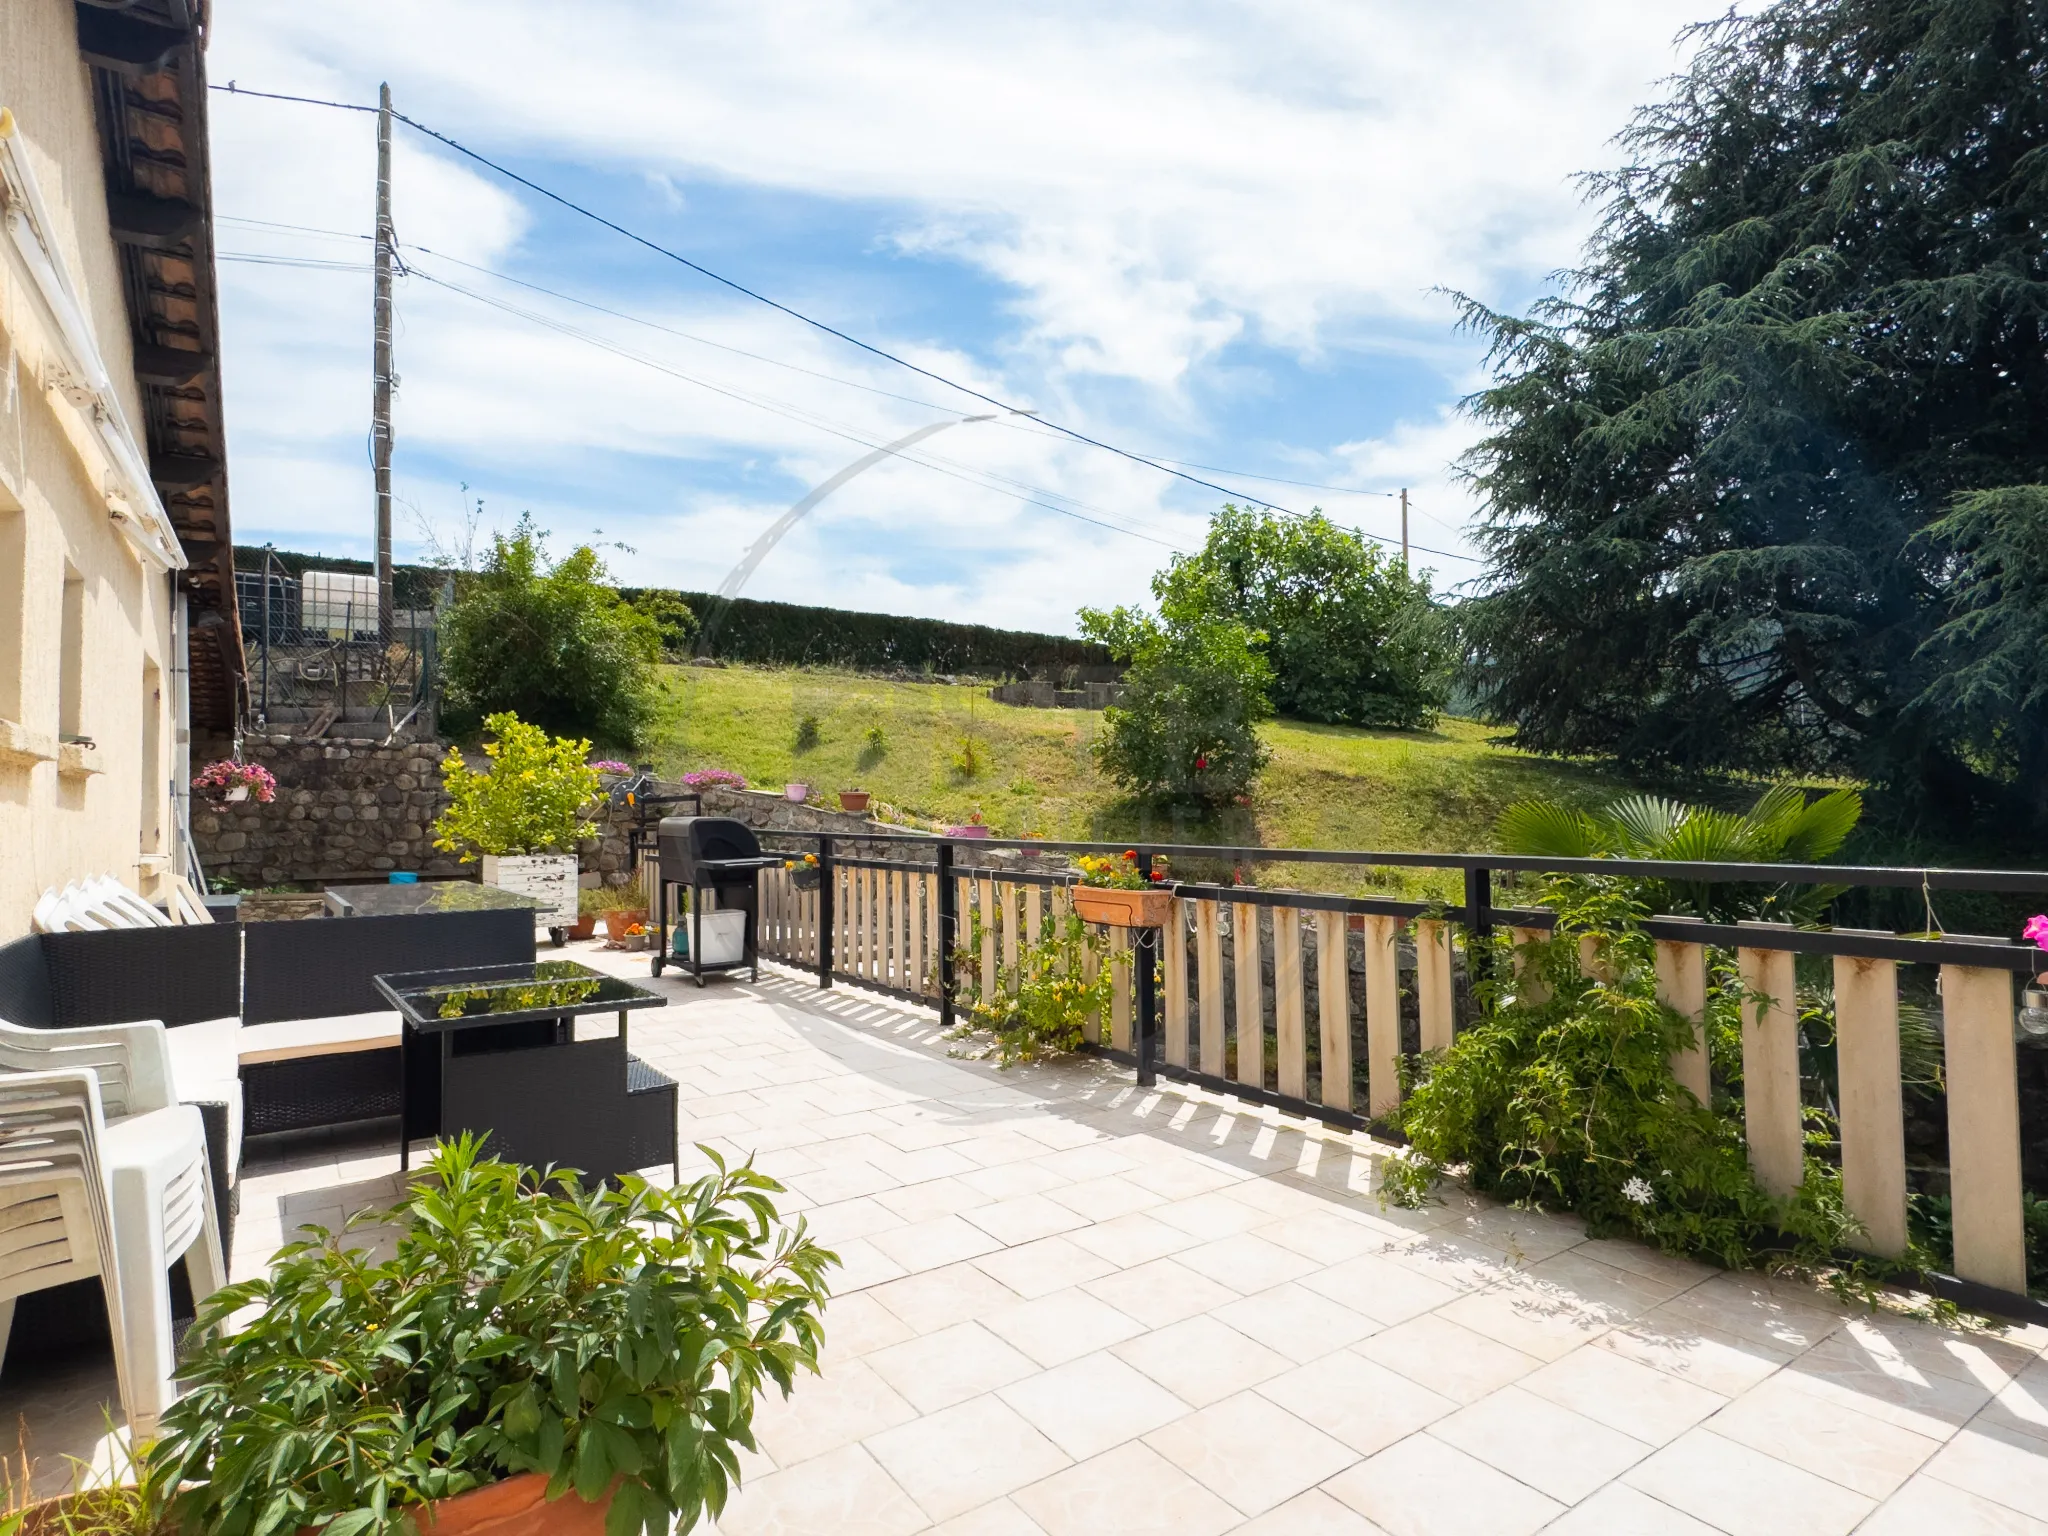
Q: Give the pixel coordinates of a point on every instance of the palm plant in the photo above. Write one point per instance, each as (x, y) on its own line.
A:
(1782, 827)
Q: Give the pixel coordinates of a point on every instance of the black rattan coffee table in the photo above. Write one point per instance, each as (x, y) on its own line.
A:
(493, 1050)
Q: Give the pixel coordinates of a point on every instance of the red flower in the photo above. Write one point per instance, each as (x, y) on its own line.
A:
(1157, 874)
(1201, 762)
(1130, 853)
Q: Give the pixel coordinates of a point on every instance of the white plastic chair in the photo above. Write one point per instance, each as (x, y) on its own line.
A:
(131, 1061)
(98, 903)
(80, 1197)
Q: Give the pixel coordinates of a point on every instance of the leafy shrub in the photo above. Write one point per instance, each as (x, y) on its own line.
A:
(549, 640)
(1194, 694)
(672, 620)
(518, 1328)
(1043, 1001)
(1782, 827)
(1567, 1100)
(1351, 636)
(970, 759)
(808, 734)
(531, 800)
(874, 746)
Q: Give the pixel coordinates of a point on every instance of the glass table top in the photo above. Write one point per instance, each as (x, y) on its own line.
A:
(497, 994)
(423, 896)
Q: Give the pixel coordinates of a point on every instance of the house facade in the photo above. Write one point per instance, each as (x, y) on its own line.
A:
(117, 620)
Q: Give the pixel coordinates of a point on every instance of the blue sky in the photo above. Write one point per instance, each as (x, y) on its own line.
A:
(1209, 233)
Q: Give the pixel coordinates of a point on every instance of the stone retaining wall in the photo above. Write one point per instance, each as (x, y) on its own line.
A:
(345, 810)
(357, 810)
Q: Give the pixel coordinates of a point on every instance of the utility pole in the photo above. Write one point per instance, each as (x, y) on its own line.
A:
(380, 366)
(1404, 530)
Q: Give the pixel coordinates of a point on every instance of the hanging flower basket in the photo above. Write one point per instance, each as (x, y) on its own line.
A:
(804, 873)
(1123, 909)
(231, 780)
(1117, 893)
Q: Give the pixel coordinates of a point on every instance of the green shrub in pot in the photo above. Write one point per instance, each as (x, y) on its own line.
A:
(612, 1340)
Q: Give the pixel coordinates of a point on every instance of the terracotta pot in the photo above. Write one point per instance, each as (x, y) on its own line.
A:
(619, 919)
(853, 800)
(519, 1506)
(1123, 909)
(584, 926)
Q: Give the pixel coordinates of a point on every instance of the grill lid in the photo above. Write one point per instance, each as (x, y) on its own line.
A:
(704, 850)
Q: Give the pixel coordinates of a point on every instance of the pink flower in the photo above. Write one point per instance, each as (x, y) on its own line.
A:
(2037, 929)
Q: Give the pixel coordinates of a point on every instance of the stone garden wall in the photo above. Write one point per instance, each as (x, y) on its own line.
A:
(345, 810)
(357, 810)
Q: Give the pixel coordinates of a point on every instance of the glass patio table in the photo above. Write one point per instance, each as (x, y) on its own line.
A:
(493, 1050)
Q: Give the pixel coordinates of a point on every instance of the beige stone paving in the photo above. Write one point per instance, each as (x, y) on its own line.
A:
(1069, 1306)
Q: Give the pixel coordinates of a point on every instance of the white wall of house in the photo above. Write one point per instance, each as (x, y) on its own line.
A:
(85, 619)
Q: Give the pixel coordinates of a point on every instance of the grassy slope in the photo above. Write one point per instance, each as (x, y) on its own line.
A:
(1327, 786)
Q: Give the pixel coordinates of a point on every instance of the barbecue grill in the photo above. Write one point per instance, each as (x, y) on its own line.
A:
(707, 853)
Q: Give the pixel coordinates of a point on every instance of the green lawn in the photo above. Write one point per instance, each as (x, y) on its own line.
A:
(1327, 786)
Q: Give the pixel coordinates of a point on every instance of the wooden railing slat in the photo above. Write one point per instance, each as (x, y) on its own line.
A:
(1249, 968)
(1008, 903)
(1289, 1006)
(1382, 1014)
(1872, 1106)
(988, 940)
(1532, 989)
(1175, 937)
(878, 930)
(1433, 982)
(1770, 1069)
(1120, 988)
(1333, 1007)
(1983, 1127)
(1209, 985)
(1091, 1027)
(1682, 987)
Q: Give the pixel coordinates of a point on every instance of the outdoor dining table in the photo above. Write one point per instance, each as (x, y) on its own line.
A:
(493, 1050)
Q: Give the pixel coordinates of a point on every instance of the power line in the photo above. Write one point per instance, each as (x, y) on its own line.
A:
(984, 478)
(774, 407)
(1166, 467)
(759, 298)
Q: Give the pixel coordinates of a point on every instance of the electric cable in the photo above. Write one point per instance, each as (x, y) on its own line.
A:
(1166, 467)
(741, 288)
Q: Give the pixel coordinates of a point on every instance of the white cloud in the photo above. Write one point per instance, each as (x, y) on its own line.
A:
(1148, 188)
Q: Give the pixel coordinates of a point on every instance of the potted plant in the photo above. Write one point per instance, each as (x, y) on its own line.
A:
(796, 794)
(523, 816)
(804, 873)
(855, 800)
(972, 827)
(1119, 893)
(533, 1358)
(618, 907)
(230, 781)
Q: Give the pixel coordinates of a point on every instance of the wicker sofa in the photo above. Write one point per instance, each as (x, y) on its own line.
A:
(272, 1027)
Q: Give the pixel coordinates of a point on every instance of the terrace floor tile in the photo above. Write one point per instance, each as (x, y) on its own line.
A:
(1068, 1305)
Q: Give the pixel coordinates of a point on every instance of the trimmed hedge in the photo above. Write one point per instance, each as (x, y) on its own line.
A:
(793, 634)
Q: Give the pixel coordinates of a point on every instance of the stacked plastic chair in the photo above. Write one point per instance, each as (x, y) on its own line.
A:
(102, 902)
(121, 1197)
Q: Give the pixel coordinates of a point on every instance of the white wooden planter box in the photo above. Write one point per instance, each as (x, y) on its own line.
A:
(550, 878)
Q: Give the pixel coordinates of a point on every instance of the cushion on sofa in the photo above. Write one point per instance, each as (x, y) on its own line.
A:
(206, 1069)
(335, 1035)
